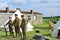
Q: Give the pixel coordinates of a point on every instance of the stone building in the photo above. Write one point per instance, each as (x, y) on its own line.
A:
(33, 17)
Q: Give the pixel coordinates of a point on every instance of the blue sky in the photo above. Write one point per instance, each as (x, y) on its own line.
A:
(46, 7)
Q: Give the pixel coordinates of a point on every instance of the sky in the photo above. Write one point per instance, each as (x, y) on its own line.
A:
(46, 7)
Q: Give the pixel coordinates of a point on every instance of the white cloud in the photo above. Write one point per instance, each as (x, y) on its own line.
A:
(21, 2)
(34, 1)
(3, 5)
(45, 4)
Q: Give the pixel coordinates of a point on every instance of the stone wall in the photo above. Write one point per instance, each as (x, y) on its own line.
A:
(32, 21)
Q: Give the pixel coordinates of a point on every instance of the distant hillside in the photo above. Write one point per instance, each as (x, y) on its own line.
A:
(54, 19)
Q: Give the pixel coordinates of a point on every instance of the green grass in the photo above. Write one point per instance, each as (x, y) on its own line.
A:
(43, 28)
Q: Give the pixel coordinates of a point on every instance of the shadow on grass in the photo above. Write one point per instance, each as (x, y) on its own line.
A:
(58, 37)
(3, 36)
(40, 27)
(47, 35)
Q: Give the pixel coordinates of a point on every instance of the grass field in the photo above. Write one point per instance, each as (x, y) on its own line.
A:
(43, 28)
